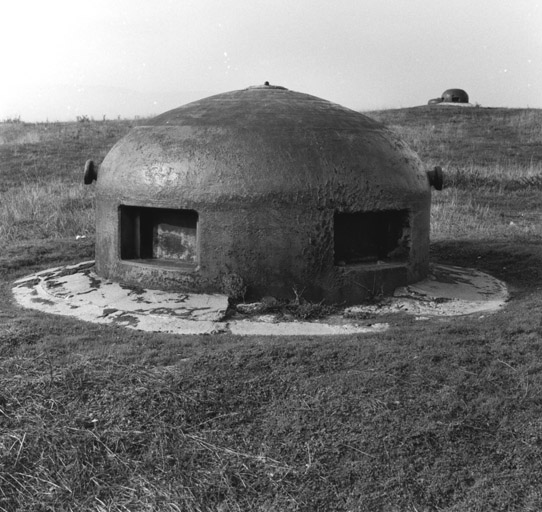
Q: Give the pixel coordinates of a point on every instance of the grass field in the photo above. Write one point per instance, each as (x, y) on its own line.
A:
(439, 415)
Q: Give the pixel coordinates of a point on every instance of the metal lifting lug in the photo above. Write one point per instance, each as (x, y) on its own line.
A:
(436, 178)
(91, 172)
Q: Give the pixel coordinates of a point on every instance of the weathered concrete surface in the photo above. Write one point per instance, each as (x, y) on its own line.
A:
(266, 169)
(447, 291)
(78, 292)
(320, 328)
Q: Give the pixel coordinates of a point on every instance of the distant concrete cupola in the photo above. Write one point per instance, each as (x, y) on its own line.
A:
(451, 96)
(455, 96)
(263, 192)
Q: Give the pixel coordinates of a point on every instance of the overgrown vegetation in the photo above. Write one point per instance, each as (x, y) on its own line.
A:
(492, 168)
(42, 195)
(437, 415)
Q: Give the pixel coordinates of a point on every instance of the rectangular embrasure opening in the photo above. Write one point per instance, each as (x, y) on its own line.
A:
(158, 234)
(369, 237)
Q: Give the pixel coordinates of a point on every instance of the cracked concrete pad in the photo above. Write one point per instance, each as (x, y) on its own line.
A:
(250, 327)
(76, 291)
(447, 291)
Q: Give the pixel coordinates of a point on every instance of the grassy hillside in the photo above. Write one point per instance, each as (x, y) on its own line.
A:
(439, 415)
(463, 136)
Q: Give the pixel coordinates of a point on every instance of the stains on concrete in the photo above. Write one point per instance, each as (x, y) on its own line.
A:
(244, 193)
(447, 291)
(127, 320)
(108, 311)
(43, 302)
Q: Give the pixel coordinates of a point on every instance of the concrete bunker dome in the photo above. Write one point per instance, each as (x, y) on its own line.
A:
(263, 191)
(455, 96)
(451, 96)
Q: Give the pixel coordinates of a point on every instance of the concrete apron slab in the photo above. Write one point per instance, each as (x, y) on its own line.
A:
(447, 291)
(76, 291)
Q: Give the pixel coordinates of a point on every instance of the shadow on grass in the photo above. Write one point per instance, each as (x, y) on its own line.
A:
(21, 258)
(517, 264)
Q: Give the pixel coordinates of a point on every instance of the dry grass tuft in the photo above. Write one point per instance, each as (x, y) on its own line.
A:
(492, 161)
(46, 209)
(121, 438)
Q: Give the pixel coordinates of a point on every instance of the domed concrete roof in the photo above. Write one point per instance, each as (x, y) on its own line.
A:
(455, 96)
(263, 142)
(263, 191)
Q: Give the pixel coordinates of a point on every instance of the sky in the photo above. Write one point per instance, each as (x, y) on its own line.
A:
(67, 58)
